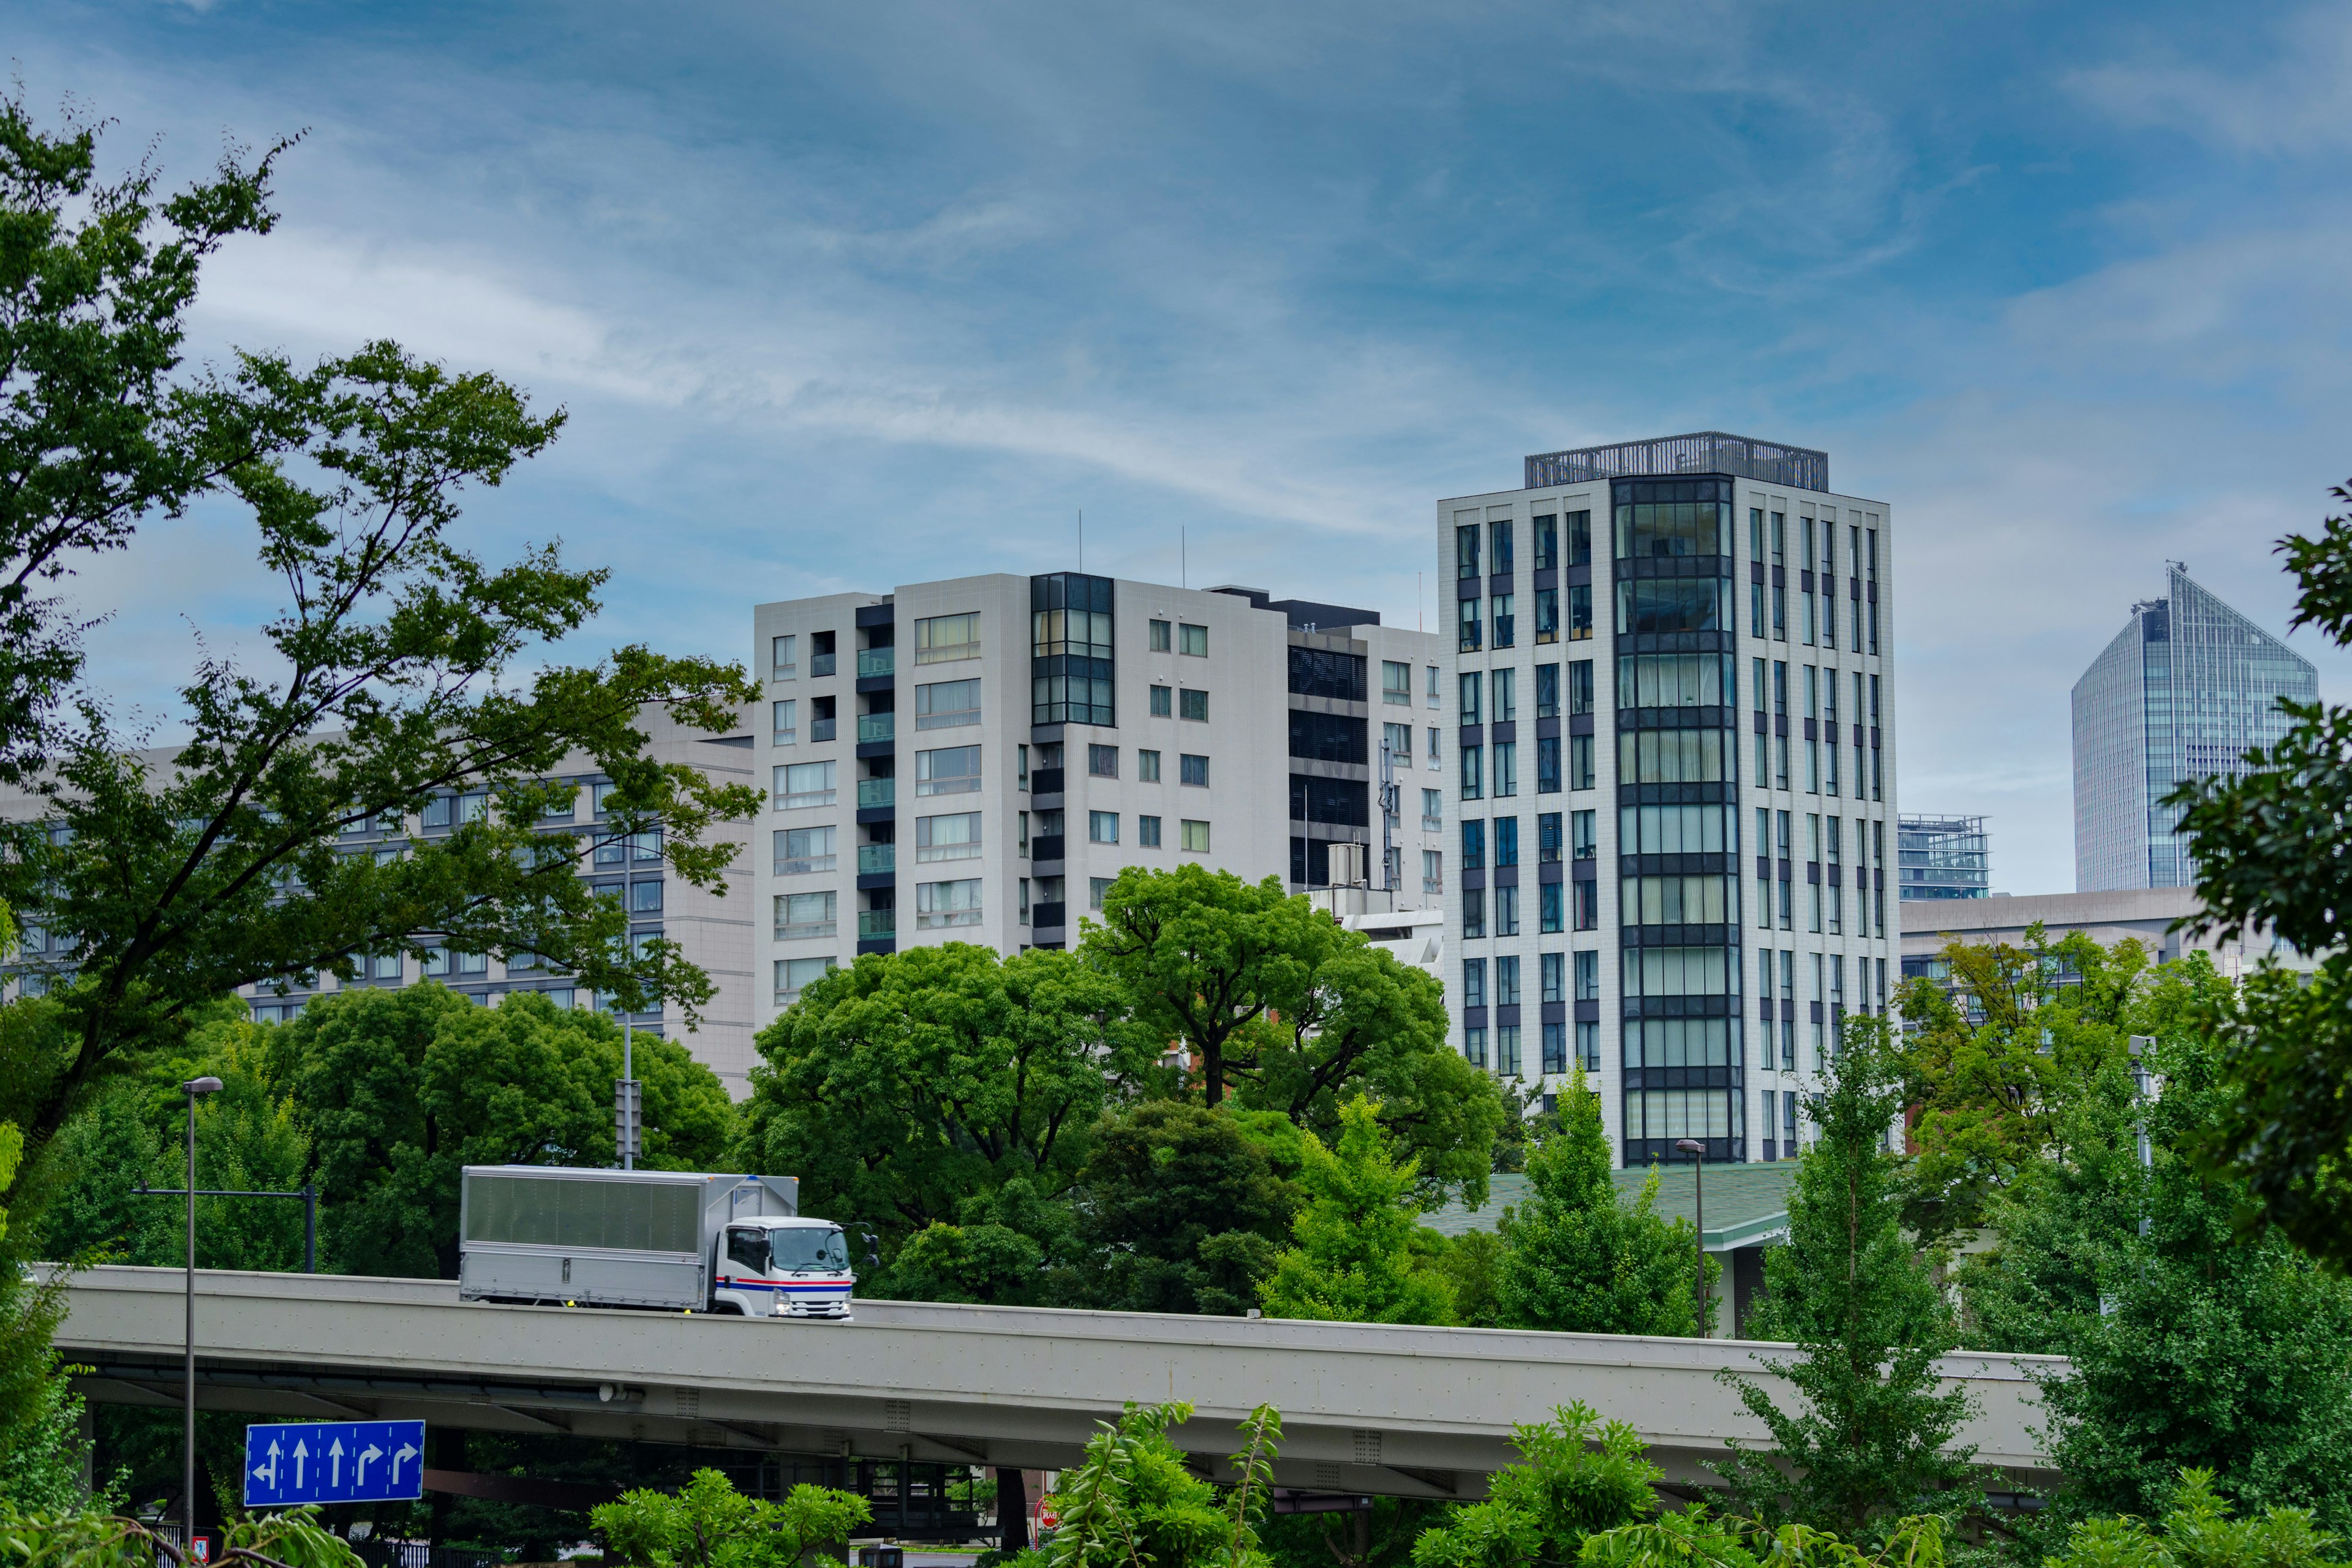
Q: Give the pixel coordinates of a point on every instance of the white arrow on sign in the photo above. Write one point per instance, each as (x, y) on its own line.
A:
(335, 1476)
(405, 1451)
(370, 1452)
(268, 1472)
(301, 1454)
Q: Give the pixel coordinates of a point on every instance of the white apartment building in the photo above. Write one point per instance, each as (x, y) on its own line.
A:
(974, 760)
(1731, 618)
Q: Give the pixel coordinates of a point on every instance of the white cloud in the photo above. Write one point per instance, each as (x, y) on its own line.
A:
(2296, 103)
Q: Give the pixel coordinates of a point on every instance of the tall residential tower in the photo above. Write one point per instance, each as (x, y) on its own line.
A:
(1670, 661)
(2183, 693)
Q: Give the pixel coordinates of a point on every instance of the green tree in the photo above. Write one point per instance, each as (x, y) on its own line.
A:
(1180, 1210)
(709, 1524)
(1698, 1538)
(1134, 1499)
(2270, 851)
(88, 1538)
(1576, 1478)
(2205, 1347)
(2197, 1532)
(1994, 1054)
(391, 670)
(1472, 1266)
(1871, 1442)
(1577, 1259)
(1278, 1005)
(41, 1446)
(911, 1088)
(401, 1089)
(1355, 1258)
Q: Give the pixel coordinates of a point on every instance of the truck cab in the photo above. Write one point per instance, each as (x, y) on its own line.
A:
(774, 1266)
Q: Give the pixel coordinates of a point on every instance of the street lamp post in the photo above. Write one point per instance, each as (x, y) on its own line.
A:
(193, 1088)
(1698, 1151)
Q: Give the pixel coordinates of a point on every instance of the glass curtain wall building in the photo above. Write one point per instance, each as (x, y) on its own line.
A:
(1944, 857)
(2183, 691)
(1673, 783)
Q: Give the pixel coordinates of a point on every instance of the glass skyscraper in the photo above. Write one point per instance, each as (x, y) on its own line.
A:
(2183, 691)
(1944, 857)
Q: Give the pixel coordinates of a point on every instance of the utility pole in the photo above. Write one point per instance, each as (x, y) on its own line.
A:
(193, 1088)
(1698, 1151)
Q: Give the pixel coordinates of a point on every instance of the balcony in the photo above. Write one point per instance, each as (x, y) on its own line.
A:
(1049, 916)
(1045, 781)
(877, 792)
(872, 727)
(876, 925)
(820, 664)
(1046, 847)
(874, 859)
(873, 662)
(820, 729)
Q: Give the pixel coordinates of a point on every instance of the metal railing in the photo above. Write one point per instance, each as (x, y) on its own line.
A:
(878, 791)
(1704, 452)
(873, 859)
(876, 726)
(876, 661)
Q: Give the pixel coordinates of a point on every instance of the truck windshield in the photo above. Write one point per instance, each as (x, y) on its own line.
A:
(807, 1247)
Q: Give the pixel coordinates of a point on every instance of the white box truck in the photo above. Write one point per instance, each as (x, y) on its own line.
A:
(667, 1240)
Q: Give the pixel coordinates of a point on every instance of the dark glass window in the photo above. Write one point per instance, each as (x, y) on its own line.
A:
(1345, 803)
(1071, 668)
(1319, 672)
(1466, 551)
(1328, 737)
(1506, 841)
(1473, 846)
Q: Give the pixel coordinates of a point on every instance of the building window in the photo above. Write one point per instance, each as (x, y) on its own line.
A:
(1473, 846)
(1467, 628)
(950, 838)
(1437, 686)
(645, 897)
(1096, 887)
(951, 770)
(1072, 661)
(1473, 773)
(1505, 562)
(782, 714)
(1588, 976)
(1548, 765)
(804, 850)
(1191, 639)
(801, 915)
(945, 704)
(1147, 767)
(1474, 1046)
(1507, 768)
(1396, 683)
(1554, 976)
(1474, 911)
(1586, 900)
(1551, 908)
(1466, 551)
(1507, 911)
(1579, 612)
(795, 975)
(1160, 637)
(1398, 740)
(1433, 871)
(1506, 1051)
(1022, 900)
(1587, 1045)
(1193, 704)
(1102, 828)
(1546, 530)
(1547, 615)
(802, 785)
(1147, 832)
(1436, 761)
(1102, 762)
(940, 639)
(1162, 701)
(780, 664)
(1473, 982)
(1193, 770)
(1555, 1048)
(1579, 761)
(1433, 810)
(943, 904)
(1193, 836)
(1507, 980)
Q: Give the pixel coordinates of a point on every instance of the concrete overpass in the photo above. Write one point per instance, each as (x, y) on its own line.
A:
(1415, 1412)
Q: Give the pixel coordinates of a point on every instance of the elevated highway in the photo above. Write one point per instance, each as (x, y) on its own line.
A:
(1414, 1412)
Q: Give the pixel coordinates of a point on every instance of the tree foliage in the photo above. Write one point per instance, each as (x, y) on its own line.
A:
(1134, 1502)
(388, 677)
(908, 1089)
(1277, 1005)
(1354, 1257)
(1577, 1259)
(1871, 1442)
(1698, 1538)
(707, 1524)
(41, 1445)
(2200, 1347)
(2269, 850)
(2196, 1531)
(1997, 1052)
(84, 1537)
(1577, 1478)
(1180, 1210)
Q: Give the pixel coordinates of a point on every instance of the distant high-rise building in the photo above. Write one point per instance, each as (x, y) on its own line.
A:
(1943, 857)
(2183, 691)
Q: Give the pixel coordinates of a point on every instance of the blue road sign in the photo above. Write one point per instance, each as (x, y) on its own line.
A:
(335, 1461)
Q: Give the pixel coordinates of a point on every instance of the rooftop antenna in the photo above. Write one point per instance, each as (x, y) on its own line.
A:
(1082, 539)
(1183, 559)
(1416, 603)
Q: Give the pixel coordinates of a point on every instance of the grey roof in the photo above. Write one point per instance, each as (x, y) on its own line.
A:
(1746, 1204)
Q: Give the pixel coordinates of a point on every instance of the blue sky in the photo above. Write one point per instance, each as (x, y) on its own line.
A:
(839, 296)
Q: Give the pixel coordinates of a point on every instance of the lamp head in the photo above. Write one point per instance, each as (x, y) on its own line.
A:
(195, 1086)
(1689, 1146)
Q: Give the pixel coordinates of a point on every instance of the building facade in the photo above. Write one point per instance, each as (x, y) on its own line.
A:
(976, 759)
(1671, 659)
(1943, 857)
(2183, 691)
(2144, 914)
